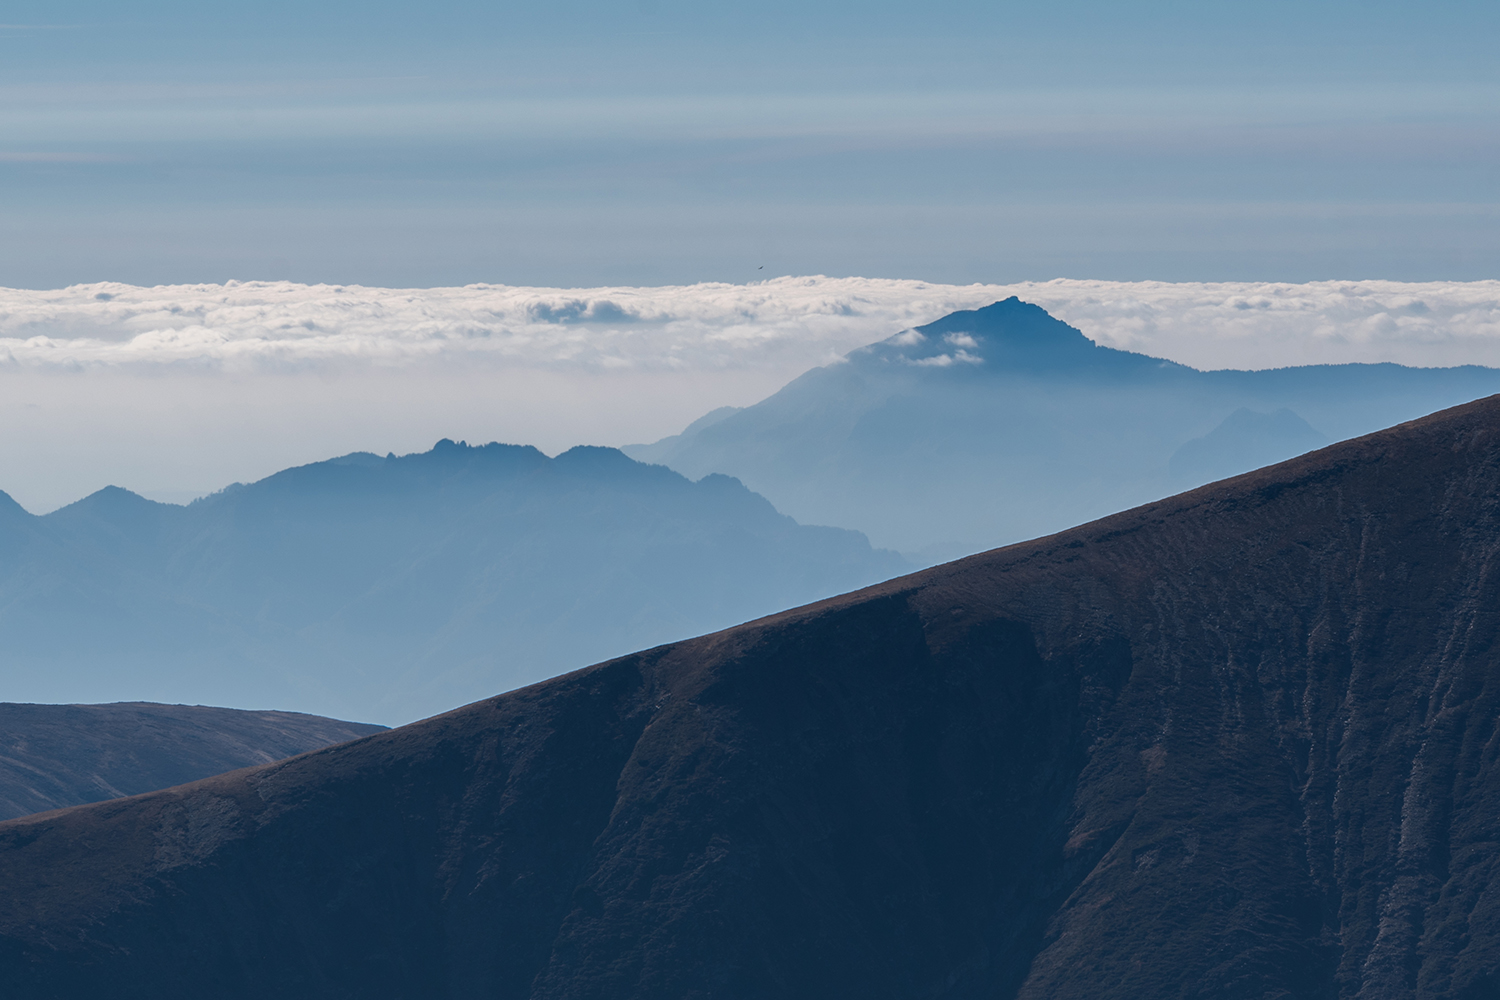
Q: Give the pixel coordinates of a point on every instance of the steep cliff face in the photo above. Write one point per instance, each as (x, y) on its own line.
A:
(1238, 743)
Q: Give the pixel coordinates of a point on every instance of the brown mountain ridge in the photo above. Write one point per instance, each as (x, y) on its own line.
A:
(53, 756)
(1237, 743)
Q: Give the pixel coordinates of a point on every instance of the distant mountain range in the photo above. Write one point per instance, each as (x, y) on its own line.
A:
(52, 756)
(388, 588)
(1003, 423)
(1236, 743)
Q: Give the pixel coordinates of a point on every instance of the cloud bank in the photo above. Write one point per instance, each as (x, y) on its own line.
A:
(785, 324)
(178, 390)
(1272, 325)
(788, 324)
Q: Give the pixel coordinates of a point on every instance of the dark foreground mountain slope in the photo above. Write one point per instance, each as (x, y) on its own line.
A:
(53, 756)
(1239, 743)
(398, 587)
(997, 424)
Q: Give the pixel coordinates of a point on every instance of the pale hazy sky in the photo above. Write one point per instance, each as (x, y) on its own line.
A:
(179, 390)
(585, 143)
(577, 154)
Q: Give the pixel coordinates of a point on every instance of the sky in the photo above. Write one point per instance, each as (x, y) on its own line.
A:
(238, 237)
(581, 143)
(176, 391)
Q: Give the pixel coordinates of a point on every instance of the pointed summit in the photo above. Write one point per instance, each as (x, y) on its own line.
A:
(1012, 322)
(10, 510)
(1010, 335)
(110, 503)
(991, 425)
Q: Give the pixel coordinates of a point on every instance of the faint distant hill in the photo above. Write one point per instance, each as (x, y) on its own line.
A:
(391, 588)
(1245, 438)
(65, 755)
(1002, 423)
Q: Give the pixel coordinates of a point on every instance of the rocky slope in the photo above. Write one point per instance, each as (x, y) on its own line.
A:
(1237, 743)
(53, 756)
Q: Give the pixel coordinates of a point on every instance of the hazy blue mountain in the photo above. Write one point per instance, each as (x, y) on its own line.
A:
(391, 588)
(993, 425)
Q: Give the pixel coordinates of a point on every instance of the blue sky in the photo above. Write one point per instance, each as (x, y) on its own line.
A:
(657, 141)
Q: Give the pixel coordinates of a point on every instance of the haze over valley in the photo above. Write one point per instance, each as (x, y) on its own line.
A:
(174, 392)
(387, 588)
(995, 425)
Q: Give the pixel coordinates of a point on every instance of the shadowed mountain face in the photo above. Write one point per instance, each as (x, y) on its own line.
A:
(393, 588)
(63, 755)
(1238, 743)
(1003, 423)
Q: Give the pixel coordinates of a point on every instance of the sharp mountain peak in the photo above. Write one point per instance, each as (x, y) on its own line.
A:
(1009, 335)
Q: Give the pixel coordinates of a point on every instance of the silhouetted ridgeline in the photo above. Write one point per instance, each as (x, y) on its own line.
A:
(393, 588)
(1002, 423)
(63, 755)
(1237, 743)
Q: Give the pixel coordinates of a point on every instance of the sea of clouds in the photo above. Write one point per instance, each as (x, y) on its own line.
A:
(256, 326)
(785, 325)
(178, 390)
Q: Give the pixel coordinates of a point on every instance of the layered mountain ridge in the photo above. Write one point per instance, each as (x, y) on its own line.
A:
(1235, 743)
(992, 425)
(393, 587)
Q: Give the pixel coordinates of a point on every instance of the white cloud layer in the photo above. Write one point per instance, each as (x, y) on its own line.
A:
(178, 390)
(785, 324)
(788, 324)
(1271, 325)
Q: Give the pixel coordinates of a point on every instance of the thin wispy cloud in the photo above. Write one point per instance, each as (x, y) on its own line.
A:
(59, 157)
